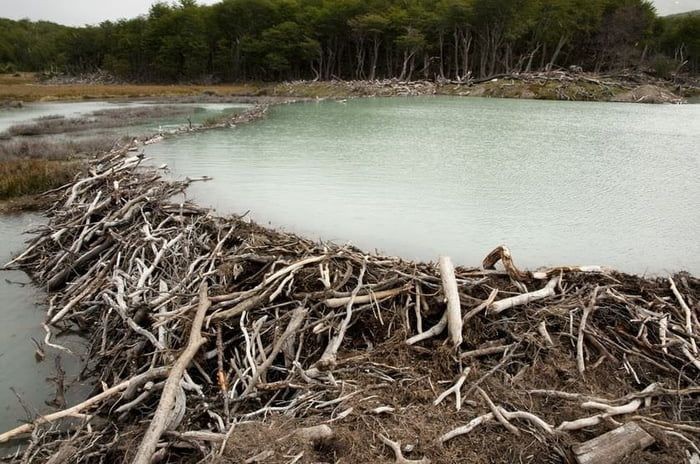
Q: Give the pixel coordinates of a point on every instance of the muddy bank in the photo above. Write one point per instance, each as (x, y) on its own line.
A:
(216, 339)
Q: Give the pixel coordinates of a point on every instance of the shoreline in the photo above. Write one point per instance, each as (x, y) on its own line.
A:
(550, 86)
(352, 318)
(556, 85)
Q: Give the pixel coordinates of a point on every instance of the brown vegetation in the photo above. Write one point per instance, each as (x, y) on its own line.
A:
(55, 149)
(27, 88)
(29, 176)
(299, 334)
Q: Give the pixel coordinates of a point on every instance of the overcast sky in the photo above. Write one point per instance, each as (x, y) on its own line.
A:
(79, 12)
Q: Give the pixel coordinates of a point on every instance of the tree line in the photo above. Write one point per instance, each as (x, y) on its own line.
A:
(238, 40)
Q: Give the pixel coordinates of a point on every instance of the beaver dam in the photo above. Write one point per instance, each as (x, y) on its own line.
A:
(215, 339)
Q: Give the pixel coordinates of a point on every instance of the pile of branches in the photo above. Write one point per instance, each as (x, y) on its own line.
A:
(213, 338)
(99, 76)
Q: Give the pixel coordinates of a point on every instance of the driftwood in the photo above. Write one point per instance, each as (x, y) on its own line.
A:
(453, 311)
(610, 447)
(162, 416)
(314, 333)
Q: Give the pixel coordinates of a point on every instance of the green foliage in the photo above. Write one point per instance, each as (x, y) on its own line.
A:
(32, 46)
(291, 39)
(680, 40)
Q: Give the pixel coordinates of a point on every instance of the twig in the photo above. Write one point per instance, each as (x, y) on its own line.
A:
(396, 448)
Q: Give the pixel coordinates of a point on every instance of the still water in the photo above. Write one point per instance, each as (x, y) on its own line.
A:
(22, 313)
(560, 183)
(200, 112)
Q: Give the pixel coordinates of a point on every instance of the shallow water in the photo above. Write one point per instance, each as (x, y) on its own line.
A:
(200, 112)
(559, 182)
(22, 312)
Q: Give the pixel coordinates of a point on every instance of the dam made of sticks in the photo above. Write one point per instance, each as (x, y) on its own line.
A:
(213, 338)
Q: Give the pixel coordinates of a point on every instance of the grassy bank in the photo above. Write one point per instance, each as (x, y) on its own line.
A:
(47, 152)
(22, 179)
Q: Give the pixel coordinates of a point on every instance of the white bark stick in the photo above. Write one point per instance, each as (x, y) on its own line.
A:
(456, 389)
(362, 299)
(519, 300)
(498, 413)
(396, 448)
(431, 332)
(465, 429)
(454, 310)
(72, 411)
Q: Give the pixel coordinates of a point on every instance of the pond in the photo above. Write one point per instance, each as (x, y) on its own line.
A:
(561, 183)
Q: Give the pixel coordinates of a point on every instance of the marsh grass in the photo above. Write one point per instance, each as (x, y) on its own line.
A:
(47, 152)
(30, 176)
(51, 149)
(30, 166)
(102, 119)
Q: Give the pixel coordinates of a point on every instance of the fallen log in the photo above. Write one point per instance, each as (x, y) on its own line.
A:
(526, 298)
(454, 311)
(611, 447)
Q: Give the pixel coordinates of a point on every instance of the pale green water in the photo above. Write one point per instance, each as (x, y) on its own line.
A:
(559, 183)
(22, 312)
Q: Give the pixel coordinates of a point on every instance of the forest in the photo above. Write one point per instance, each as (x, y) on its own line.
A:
(274, 40)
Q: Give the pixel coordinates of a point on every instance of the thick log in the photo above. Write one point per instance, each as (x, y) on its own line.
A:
(610, 447)
(454, 310)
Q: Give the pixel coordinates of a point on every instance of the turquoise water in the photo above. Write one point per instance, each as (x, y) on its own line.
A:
(560, 183)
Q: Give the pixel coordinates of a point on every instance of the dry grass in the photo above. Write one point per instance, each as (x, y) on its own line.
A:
(31, 176)
(44, 148)
(27, 88)
(17, 78)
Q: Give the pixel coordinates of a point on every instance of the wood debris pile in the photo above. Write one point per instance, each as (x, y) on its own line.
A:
(216, 339)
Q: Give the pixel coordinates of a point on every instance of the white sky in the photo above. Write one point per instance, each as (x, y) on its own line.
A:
(79, 12)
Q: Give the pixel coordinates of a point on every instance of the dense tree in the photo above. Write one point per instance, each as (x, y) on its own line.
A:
(680, 41)
(32, 46)
(363, 39)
